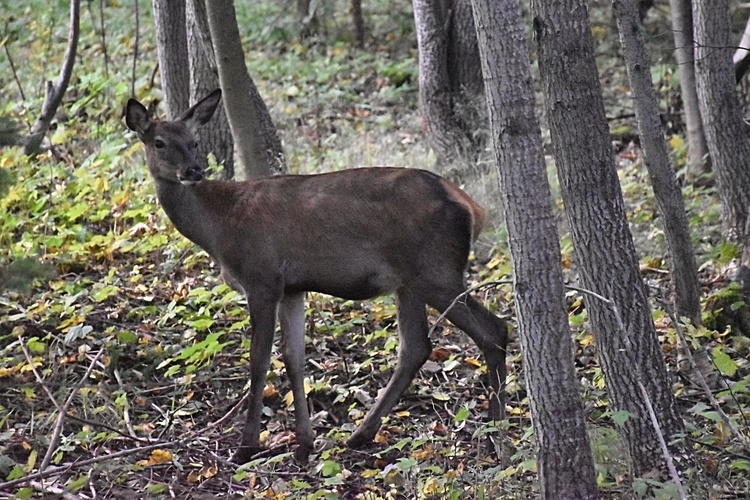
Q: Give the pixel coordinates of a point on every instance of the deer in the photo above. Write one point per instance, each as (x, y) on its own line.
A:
(356, 234)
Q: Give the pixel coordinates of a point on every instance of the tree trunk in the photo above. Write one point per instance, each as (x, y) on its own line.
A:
(204, 78)
(464, 66)
(682, 27)
(436, 97)
(605, 252)
(358, 21)
(722, 113)
(172, 51)
(258, 146)
(564, 460)
(741, 57)
(656, 157)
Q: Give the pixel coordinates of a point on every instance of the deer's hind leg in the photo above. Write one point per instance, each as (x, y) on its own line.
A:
(414, 349)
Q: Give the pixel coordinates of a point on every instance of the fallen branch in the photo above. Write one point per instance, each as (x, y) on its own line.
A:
(51, 471)
(64, 410)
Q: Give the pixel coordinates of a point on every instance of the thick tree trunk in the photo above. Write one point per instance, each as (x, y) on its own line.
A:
(682, 27)
(358, 20)
(204, 78)
(564, 460)
(444, 132)
(258, 146)
(606, 256)
(172, 51)
(656, 157)
(722, 113)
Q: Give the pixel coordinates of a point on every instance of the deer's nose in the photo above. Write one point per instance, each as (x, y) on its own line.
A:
(191, 175)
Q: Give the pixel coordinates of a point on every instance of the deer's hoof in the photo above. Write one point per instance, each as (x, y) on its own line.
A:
(244, 454)
(358, 440)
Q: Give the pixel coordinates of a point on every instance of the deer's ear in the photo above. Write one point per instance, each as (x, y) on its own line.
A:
(137, 117)
(202, 111)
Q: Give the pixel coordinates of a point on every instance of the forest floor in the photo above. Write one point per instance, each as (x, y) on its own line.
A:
(129, 334)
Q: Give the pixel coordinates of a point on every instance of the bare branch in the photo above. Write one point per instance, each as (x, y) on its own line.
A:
(54, 93)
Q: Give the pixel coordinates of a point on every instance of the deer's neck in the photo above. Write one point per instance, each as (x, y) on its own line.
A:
(196, 211)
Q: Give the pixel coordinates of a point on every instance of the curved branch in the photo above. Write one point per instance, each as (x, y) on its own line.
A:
(53, 94)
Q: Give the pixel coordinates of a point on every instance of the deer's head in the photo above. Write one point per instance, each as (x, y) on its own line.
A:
(170, 146)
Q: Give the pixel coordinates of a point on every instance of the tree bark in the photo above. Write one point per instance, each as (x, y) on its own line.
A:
(436, 97)
(564, 460)
(204, 78)
(682, 27)
(358, 21)
(172, 51)
(604, 247)
(684, 269)
(258, 146)
(722, 114)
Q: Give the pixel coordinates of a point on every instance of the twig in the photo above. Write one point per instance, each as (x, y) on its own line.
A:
(229, 414)
(662, 443)
(54, 490)
(125, 410)
(36, 373)
(13, 66)
(702, 381)
(64, 410)
(646, 399)
(135, 48)
(39, 379)
(62, 468)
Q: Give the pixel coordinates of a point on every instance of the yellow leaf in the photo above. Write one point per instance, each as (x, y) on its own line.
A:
(423, 454)
(264, 437)
(403, 414)
(473, 362)
(676, 142)
(157, 457)
(432, 487)
(288, 399)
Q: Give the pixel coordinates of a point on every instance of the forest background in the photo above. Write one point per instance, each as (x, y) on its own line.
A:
(112, 273)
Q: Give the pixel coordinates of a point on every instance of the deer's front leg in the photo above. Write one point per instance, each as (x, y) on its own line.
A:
(263, 318)
(292, 320)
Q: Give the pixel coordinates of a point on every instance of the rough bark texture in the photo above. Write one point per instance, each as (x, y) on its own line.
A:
(204, 78)
(656, 157)
(604, 247)
(722, 113)
(564, 460)
(682, 27)
(258, 146)
(464, 67)
(172, 51)
(443, 129)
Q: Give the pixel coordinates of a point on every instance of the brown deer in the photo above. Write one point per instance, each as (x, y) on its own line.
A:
(354, 234)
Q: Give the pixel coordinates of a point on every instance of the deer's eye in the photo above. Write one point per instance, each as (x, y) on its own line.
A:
(159, 144)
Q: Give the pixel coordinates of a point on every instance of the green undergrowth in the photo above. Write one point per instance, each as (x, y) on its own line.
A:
(89, 263)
